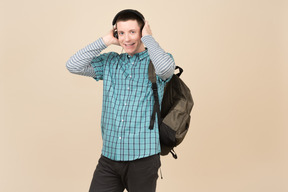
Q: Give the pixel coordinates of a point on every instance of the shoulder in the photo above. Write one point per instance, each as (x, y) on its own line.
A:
(106, 56)
(111, 54)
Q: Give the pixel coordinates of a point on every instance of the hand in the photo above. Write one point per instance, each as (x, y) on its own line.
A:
(110, 39)
(146, 29)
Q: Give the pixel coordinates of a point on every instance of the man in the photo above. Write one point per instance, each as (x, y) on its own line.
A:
(130, 153)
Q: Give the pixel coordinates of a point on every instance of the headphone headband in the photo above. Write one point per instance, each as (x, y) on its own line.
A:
(127, 11)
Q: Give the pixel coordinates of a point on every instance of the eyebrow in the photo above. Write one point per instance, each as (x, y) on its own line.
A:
(129, 30)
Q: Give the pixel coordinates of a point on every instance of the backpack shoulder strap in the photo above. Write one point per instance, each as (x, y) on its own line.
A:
(156, 107)
(151, 72)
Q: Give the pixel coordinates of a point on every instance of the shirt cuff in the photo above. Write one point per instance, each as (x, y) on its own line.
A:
(148, 40)
(100, 43)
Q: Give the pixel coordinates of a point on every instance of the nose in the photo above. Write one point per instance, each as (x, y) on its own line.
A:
(127, 37)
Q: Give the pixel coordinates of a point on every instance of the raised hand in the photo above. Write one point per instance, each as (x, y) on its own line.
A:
(146, 29)
(110, 39)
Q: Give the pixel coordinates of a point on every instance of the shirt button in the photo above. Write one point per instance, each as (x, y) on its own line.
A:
(122, 120)
(133, 63)
(130, 76)
(128, 88)
(125, 104)
(120, 138)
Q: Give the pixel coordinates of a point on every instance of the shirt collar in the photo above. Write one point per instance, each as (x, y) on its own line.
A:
(141, 55)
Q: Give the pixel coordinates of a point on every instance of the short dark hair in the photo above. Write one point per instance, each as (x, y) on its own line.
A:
(129, 14)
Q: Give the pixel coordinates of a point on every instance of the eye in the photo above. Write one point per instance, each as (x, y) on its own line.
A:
(133, 32)
(120, 33)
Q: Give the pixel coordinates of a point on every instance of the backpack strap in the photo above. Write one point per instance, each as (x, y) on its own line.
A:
(156, 107)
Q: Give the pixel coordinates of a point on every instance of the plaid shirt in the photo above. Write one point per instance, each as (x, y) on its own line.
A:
(127, 100)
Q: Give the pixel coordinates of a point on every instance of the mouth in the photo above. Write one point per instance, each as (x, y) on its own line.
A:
(129, 45)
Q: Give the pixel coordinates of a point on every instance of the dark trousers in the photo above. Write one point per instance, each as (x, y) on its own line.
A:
(136, 176)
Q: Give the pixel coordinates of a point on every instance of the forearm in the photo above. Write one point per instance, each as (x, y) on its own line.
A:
(163, 63)
(80, 62)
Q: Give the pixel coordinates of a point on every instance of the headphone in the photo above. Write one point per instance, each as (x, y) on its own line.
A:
(123, 12)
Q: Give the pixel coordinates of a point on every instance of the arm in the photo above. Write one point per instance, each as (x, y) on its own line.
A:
(163, 62)
(80, 63)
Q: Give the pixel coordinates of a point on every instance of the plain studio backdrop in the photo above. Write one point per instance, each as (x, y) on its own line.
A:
(234, 54)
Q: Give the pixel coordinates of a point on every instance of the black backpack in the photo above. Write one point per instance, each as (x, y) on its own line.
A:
(176, 106)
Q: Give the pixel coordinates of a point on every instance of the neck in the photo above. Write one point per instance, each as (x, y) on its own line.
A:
(141, 49)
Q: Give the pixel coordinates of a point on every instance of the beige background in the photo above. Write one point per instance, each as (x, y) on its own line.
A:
(234, 54)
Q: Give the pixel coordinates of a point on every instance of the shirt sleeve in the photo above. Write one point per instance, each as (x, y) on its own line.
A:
(80, 62)
(163, 62)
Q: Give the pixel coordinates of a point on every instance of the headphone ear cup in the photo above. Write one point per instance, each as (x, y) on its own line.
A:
(115, 34)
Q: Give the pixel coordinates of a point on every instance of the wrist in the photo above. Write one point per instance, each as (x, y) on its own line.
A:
(106, 40)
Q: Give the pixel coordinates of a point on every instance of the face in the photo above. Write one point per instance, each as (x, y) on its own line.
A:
(129, 36)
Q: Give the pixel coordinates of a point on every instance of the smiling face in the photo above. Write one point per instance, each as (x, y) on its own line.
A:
(129, 36)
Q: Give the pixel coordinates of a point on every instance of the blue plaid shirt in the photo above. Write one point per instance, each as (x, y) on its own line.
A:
(127, 104)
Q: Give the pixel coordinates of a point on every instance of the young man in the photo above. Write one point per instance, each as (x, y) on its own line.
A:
(130, 153)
